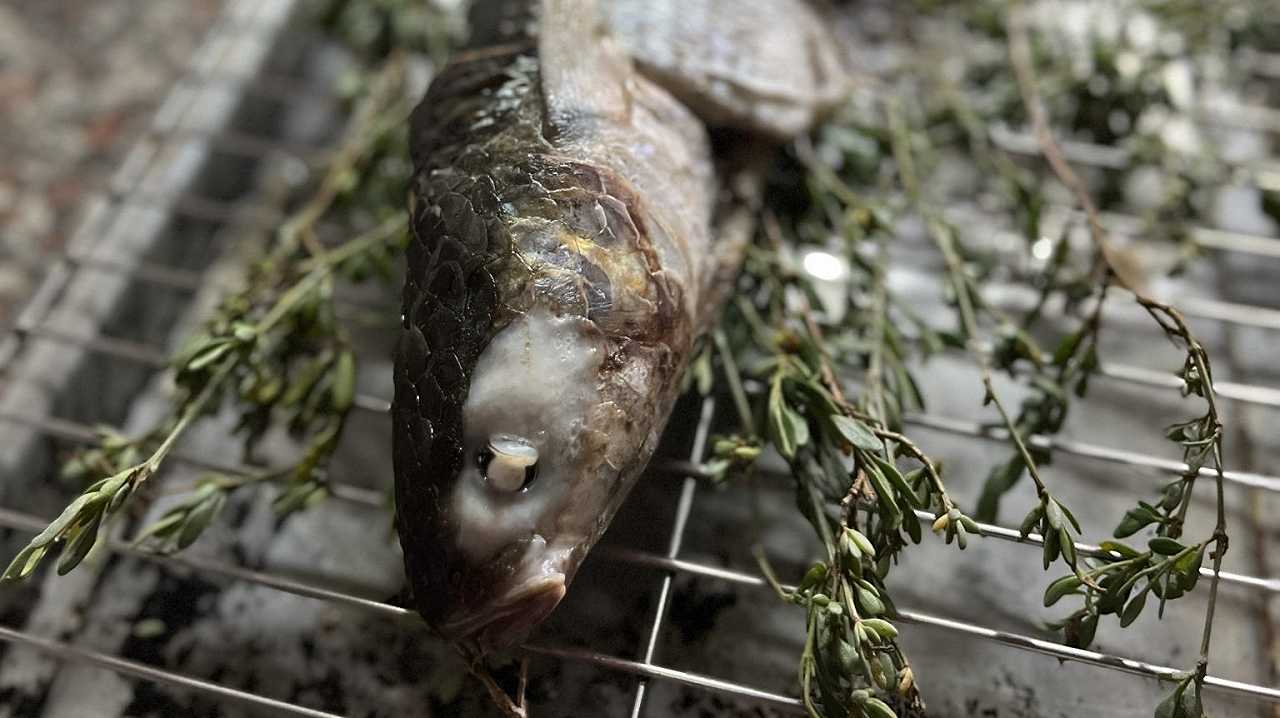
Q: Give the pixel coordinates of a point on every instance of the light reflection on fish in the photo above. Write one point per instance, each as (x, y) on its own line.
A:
(563, 210)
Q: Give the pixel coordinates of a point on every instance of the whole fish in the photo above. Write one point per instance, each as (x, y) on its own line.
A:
(572, 235)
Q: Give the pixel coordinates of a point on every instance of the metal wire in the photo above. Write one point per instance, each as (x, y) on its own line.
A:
(646, 668)
(66, 651)
(684, 506)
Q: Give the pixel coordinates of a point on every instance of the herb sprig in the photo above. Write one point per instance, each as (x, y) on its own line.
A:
(274, 349)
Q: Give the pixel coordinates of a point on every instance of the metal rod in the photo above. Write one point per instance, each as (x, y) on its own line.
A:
(663, 563)
(178, 279)
(78, 433)
(964, 427)
(961, 427)
(1015, 640)
(81, 433)
(648, 670)
(1002, 533)
(1108, 157)
(66, 651)
(684, 506)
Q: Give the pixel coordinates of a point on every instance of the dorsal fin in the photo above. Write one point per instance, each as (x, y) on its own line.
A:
(585, 74)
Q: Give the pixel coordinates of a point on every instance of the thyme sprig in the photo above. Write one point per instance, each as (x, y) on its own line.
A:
(273, 349)
(859, 479)
(1200, 438)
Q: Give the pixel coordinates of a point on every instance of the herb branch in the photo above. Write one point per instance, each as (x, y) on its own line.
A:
(274, 347)
(1200, 438)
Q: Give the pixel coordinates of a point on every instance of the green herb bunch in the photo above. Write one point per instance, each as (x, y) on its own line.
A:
(274, 351)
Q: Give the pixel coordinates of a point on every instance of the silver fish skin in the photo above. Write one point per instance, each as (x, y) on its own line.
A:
(560, 268)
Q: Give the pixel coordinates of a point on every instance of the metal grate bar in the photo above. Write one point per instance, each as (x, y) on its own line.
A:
(153, 356)
(149, 355)
(1015, 640)
(267, 86)
(641, 558)
(239, 144)
(1264, 176)
(1234, 313)
(1003, 533)
(964, 427)
(80, 433)
(1263, 245)
(647, 671)
(684, 506)
(66, 651)
(1245, 393)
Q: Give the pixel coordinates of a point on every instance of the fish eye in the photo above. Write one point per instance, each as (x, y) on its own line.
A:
(508, 463)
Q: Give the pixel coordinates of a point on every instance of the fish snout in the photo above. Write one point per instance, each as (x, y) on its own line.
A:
(510, 617)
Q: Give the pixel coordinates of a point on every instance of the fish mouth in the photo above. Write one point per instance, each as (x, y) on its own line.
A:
(510, 618)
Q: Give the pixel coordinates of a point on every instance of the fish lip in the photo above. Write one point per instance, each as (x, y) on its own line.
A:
(511, 617)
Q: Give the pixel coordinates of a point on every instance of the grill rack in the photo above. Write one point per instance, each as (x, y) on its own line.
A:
(31, 326)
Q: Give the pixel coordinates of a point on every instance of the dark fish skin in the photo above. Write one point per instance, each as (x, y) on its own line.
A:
(560, 267)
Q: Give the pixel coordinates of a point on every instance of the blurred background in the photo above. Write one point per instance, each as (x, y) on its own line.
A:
(78, 83)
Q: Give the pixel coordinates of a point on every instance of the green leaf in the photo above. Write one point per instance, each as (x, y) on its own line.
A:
(24, 563)
(78, 547)
(881, 628)
(1170, 707)
(890, 513)
(1088, 628)
(814, 577)
(1188, 568)
(344, 382)
(1067, 545)
(1066, 348)
(1060, 588)
(1134, 521)
(1002, 478)
(1070, 517)
(855, 432)
(1133, 609)
(1031, 521)
(876, 708)
(1191, 705)
(1119, 548)
(787, 429)
(869, 600)
(208, 356)
(1053, 512)
(81, 505)
(864, 543)
(164, 525)
(1165, 546)
(1051, 548)
(199, 519)
(898, 481)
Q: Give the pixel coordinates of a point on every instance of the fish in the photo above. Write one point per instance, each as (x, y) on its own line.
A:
(574, 229)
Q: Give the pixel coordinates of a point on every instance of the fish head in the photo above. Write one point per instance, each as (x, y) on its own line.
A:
(518, 484)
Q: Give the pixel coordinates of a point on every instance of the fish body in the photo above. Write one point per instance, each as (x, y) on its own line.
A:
(562, 263)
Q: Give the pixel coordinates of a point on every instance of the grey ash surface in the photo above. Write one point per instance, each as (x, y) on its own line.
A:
(78, 81)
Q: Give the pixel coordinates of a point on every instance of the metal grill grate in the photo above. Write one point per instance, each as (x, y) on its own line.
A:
(231, 67)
